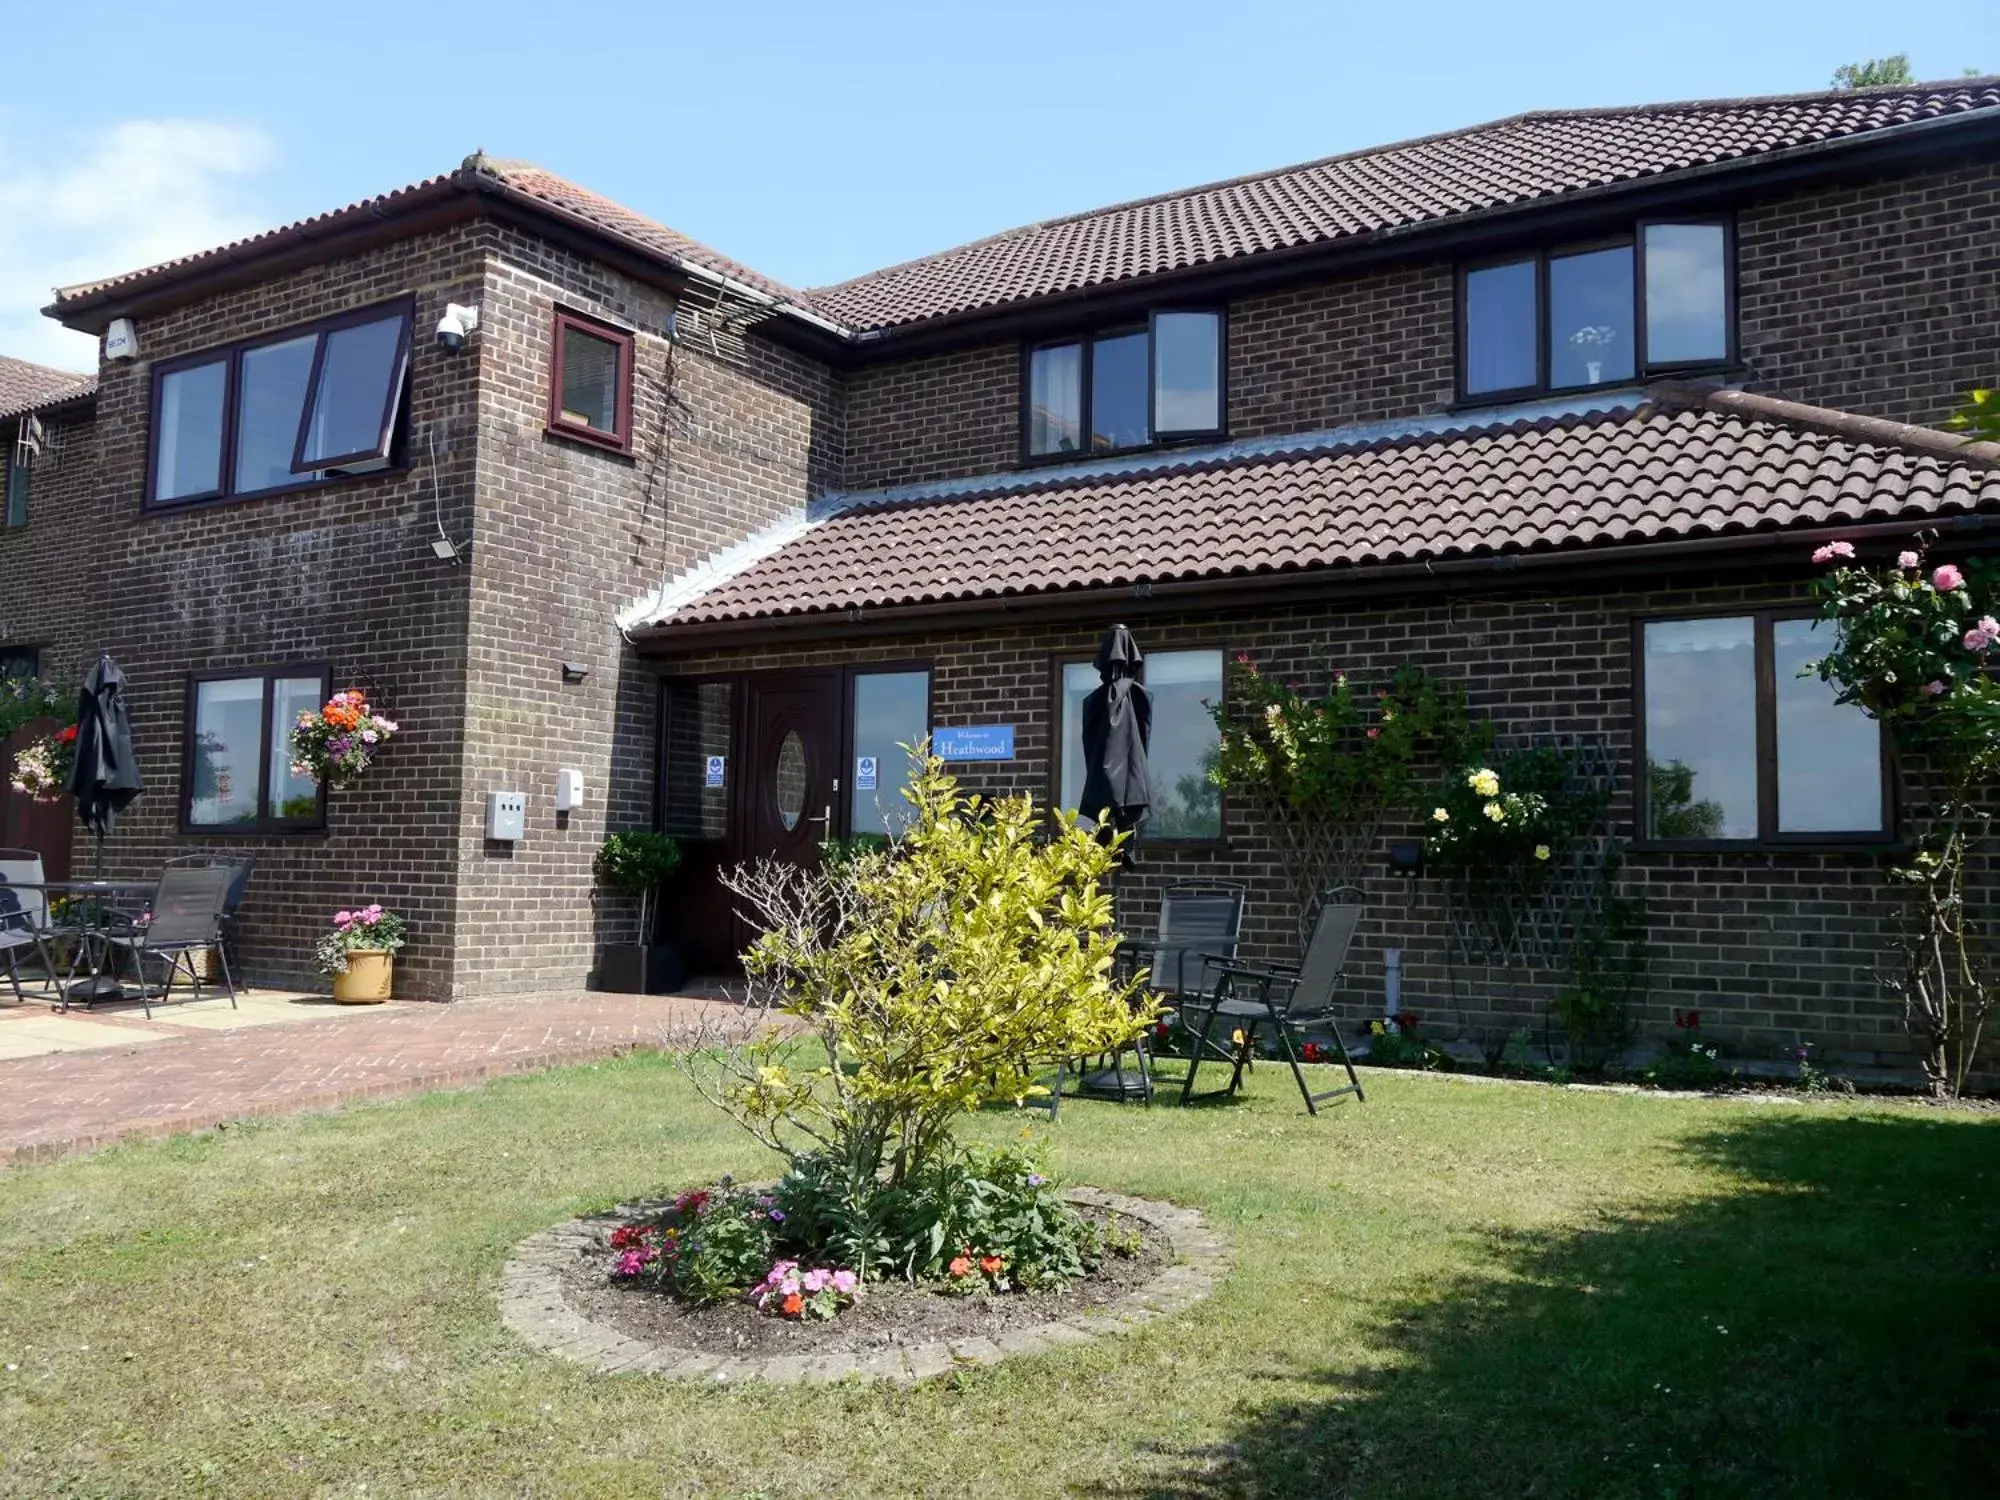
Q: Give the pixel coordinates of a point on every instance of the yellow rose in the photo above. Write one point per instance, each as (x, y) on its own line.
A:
(1541, 851)
(1496, 812)
(1484, 782)
(1440, 815)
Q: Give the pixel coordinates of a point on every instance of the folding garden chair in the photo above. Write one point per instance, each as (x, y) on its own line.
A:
(24, 915)
(186, 917)
(239, 879)
(1199, 928)
(1283, 997)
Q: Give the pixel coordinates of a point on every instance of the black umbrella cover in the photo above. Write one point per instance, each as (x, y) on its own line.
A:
(1117, 729)
(106, 777)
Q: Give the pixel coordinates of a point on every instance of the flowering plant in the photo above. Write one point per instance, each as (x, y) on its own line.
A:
(972, 1271)
(42, 768)
(367, 929)
(791, 1291)
(25, 699)
(335, 745)
(710, 1245)
(1515, 816)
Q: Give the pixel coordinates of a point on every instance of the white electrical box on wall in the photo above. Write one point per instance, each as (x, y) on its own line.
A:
(569, 791)
(507, 816)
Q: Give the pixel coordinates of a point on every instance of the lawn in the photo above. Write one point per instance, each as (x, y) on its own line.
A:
(1454, 1289)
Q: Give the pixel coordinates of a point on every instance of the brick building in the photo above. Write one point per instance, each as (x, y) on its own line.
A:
(1555, 406)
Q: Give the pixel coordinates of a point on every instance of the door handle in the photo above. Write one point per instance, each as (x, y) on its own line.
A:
(825, 821)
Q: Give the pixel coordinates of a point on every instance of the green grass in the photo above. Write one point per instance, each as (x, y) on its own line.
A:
(1454, 1289)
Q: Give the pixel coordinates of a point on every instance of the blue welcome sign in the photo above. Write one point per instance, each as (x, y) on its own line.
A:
(974, 742)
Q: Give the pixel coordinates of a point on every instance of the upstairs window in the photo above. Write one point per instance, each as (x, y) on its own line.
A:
(590, 384)
(1125, 388)
(309, 404)
(1598, 314)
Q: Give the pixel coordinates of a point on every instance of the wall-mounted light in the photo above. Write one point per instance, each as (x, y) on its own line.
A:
(1406, 858)
(574, 671)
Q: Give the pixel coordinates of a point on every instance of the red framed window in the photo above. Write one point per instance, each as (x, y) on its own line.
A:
(590, 381)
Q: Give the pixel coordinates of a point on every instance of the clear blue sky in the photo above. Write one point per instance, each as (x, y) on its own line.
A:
(816, 141)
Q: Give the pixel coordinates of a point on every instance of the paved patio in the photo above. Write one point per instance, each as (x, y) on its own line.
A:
(77, 1081)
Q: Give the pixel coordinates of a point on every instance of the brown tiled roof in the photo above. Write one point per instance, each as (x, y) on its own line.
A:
(1688, 463)
(26, 387)
(1512, 161)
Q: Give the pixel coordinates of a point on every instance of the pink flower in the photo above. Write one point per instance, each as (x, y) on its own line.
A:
(1833, 550)
(1936, 689)
(1909, 562)
(1979, 638)
(343, 918)
(628, 1264)
(1947, 578)
(817, 1280)
(1374, 734)
(844, 1282)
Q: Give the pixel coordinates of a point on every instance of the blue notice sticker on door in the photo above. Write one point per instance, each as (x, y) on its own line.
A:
(713, 775)
(974, 742)
(864, 773)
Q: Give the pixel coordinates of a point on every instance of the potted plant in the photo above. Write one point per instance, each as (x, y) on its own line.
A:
(637, 864)
(360, 954)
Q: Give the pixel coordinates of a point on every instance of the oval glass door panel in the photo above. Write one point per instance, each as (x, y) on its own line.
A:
(788, 781)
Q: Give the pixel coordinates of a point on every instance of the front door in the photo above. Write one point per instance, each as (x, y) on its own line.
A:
(790, 786)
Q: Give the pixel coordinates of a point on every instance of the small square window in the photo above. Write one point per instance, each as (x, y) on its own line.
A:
(590, 393)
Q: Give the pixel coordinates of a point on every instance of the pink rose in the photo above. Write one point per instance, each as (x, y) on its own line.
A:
(1833, 550)
(1909, 562)
(1936, 689)
(1947, 578)
(1976, 639)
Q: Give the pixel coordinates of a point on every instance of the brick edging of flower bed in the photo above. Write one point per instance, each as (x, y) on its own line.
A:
(533, 1306)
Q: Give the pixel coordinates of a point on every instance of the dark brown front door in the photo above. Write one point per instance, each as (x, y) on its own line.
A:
(789, 791)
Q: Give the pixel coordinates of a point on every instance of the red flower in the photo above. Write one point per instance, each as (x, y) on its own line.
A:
(1310, 1052)
(794, 1305)
(961, 1266)
(1243, 658)
(1406, 1021)
(1687, 1020)
(1162, 1030)
(991, 1264)
(66, 735)
(625, 1236)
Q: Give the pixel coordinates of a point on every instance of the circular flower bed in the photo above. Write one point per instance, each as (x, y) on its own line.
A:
(564, 1291)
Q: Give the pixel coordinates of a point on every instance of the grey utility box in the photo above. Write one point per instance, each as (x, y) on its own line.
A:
(507, 816)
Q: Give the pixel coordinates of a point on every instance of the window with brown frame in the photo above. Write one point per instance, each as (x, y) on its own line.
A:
(590, 381)
(1117, 389)
(1656, 301)
(315, 403)
(1743, 746)
(236, 773)
(1187, 806)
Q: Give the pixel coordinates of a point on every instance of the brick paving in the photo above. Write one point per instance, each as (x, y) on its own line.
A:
(74, 1101)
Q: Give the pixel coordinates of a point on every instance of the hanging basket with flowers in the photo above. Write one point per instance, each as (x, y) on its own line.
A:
(42, 767)
(335, 745)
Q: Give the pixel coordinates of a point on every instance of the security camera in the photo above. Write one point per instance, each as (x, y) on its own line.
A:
(456, 323)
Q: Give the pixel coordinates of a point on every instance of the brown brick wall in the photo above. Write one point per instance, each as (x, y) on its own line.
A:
(35, 610)
(1777, 948)
(567, 536)
(1882, 297)
(341, 574)
(936, 417)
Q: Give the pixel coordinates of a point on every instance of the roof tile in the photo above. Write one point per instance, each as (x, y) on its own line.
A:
(1659, 470)
(26, 387)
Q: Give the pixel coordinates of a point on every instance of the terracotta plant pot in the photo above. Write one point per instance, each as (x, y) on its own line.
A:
(370, 972)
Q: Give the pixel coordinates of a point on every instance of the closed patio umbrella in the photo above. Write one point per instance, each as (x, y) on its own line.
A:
(1117, 729)
(104, 780)
(106, 776)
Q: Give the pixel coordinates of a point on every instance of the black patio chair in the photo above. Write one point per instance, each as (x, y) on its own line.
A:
(1283, 997)
(26, 925)
(186, 917)
(1199, 928)
(240, 868)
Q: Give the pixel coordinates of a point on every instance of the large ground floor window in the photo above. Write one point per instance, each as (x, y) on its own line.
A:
(1186, 804)
(1740, 749)
(237, 770)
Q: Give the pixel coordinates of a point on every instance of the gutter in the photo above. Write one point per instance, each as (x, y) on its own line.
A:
(1499, 571)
